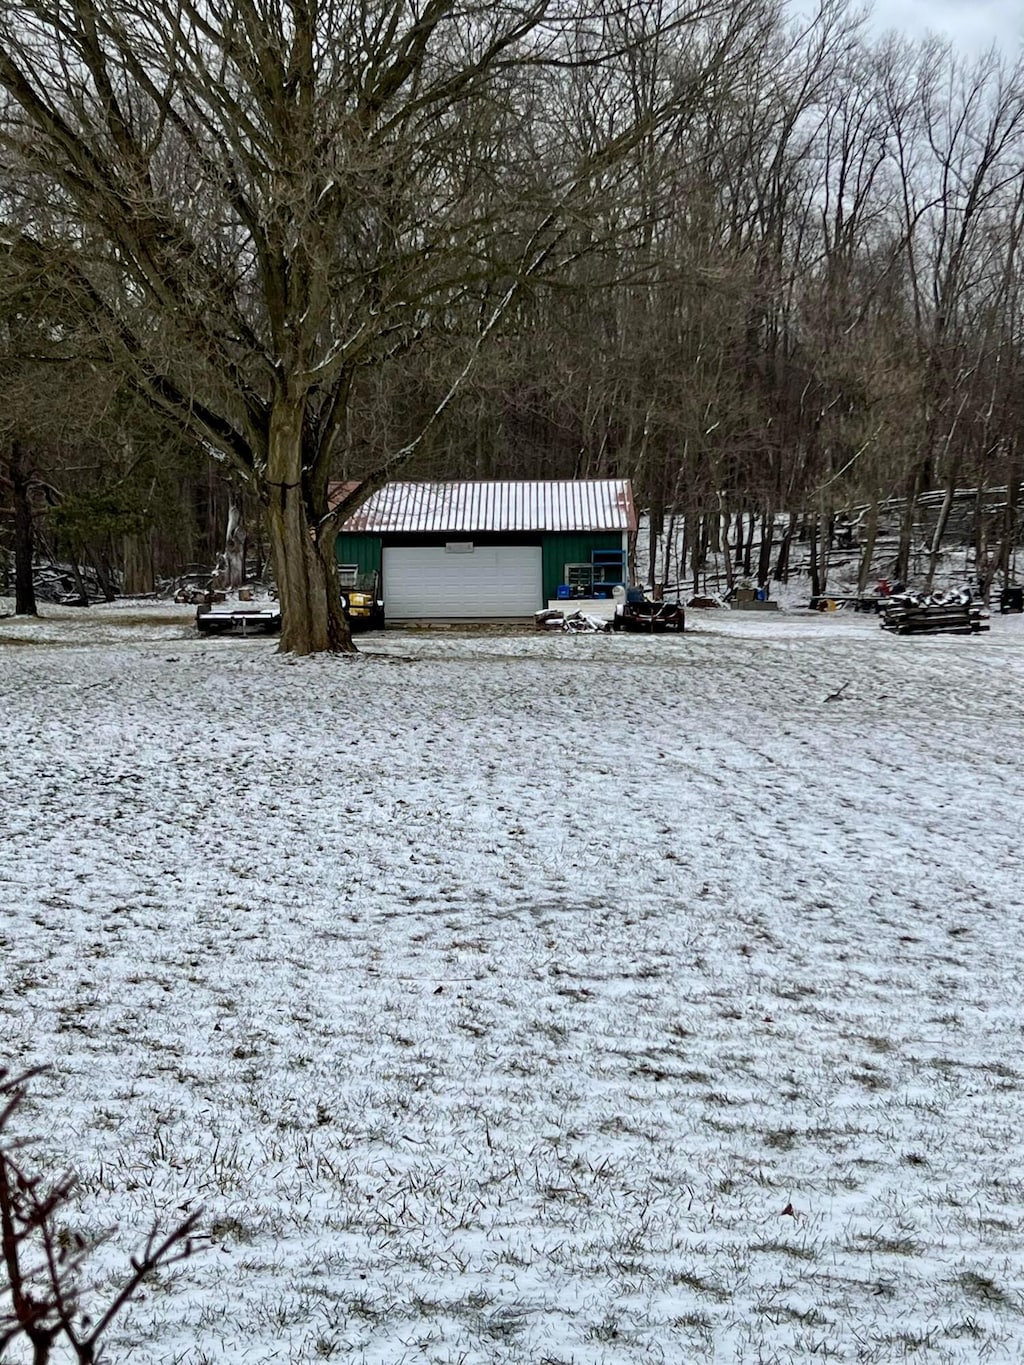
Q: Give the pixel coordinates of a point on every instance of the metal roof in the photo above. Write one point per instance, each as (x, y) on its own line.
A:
(536, 505)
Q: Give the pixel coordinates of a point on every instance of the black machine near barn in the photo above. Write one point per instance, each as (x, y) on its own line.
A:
(639, 614)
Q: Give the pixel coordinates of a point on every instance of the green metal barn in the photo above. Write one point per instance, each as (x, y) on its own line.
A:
(490, 551)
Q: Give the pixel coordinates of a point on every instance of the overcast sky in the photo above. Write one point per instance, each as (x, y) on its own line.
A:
(972, 25)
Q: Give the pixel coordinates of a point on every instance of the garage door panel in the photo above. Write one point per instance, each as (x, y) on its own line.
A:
(490, 581)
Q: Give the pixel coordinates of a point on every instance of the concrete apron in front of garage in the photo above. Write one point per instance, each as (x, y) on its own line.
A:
(601, 609)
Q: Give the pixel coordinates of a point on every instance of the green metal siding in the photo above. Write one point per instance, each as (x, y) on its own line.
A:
(362, 550)
(560, 550)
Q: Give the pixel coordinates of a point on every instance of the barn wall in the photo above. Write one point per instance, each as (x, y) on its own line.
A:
(362, 550)
(574, 548)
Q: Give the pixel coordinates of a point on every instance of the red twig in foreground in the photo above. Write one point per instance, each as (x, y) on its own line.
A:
(40, 1264)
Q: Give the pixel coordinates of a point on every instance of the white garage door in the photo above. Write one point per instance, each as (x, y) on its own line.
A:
(489, 580)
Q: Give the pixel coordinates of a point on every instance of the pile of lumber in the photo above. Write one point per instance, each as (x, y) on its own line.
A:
(952, 613)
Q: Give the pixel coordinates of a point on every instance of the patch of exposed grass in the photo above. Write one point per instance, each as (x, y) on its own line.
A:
(984, 1289)
(699, 1284)
(779, 1313)
(794, 1249)
(897, 1244)
(781, 1139)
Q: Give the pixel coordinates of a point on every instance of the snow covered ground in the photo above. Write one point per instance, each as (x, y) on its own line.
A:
(522, 998)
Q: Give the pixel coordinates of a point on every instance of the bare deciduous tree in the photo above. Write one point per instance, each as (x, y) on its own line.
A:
(256, 204)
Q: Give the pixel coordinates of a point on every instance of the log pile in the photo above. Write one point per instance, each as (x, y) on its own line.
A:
(952, 613)
(573, 623)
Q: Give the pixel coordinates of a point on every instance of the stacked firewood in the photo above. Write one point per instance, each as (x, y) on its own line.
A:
(950, 613)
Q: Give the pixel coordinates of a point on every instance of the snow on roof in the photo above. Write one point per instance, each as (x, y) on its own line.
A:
(507, 505)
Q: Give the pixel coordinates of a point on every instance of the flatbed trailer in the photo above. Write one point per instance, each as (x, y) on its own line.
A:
(238, 618)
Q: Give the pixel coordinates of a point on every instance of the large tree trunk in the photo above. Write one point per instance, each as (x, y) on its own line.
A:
(24, 542)
(312, 620)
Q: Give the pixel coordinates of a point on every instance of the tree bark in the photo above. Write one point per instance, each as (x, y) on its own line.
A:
(104, 577)
(748, 547)
(234, 543)
(667, 550)
(868, 548)
(915, 486)
(723, 525)
(941, 521)
(312, 620)
(137, 563)
(1008, 530)
(781, 574)
(764, 559)
(698, 547)
(986, 569)
(655, 530)
(817, 581)
(24, 537)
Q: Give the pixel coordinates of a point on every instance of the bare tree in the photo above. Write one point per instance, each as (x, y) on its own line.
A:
(257, 203)
(20, 483)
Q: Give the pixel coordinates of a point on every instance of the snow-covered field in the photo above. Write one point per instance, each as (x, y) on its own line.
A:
(522, 998)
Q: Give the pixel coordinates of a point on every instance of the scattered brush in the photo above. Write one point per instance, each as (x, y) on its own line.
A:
(40, 1262)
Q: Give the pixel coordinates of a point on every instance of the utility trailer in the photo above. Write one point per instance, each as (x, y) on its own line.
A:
(238, 618)
(650, 618)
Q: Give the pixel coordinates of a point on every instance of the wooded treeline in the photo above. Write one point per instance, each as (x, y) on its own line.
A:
(822, 310)
(795, 287)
